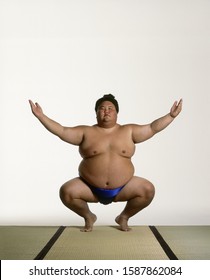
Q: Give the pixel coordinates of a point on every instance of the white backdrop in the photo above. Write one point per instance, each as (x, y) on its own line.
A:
(66, 54)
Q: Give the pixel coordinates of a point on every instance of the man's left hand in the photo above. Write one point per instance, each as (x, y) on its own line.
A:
(176, 108)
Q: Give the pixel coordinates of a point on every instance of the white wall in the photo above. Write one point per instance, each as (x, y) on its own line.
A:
(66, 54)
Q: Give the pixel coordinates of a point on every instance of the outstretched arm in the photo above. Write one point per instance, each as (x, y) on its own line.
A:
(72, 135)
(143, 132)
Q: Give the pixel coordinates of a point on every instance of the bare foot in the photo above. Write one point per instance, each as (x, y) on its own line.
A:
(89, 223)
(123, 222)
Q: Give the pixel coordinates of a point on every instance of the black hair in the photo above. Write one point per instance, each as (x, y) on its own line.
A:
(107, 97)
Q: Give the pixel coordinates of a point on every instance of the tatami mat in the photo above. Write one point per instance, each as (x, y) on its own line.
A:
(23, 243)
(106, 243)
(187, 242)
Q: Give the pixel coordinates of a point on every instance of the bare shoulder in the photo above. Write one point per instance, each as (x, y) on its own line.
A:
(131, 126)
(74, 135)
(82, 127)
(125, 126)
(140, 132)
(127, 129)
(87, 129)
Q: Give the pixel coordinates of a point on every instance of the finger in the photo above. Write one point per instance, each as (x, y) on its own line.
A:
(180, 102)
(37, 104)
(174, 106)
(179, 106)
(31, 104)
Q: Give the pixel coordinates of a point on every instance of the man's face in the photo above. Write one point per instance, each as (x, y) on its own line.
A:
(106, 112)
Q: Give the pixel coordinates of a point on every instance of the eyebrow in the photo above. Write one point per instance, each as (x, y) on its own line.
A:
(110, 106)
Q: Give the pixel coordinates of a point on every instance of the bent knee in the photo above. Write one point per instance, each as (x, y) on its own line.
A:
(149, 190)
(65, 193)
(62, 191)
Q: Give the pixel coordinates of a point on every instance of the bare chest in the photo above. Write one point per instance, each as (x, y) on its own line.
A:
(98, 142)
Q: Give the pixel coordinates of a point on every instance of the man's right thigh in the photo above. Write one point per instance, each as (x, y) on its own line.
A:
(77, 189)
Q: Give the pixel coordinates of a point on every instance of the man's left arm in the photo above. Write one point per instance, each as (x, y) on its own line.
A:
(164, 121)
(142, 133)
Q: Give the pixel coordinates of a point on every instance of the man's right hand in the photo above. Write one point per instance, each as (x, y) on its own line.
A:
(36, 109)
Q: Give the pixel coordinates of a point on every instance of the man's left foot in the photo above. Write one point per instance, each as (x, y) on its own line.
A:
(123, 223)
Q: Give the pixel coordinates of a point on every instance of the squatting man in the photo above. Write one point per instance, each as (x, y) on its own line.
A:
(106, 172)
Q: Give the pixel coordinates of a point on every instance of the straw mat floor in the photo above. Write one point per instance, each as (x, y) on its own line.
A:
(105, 242)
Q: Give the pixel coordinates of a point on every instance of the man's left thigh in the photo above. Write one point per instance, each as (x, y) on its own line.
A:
(136, 187)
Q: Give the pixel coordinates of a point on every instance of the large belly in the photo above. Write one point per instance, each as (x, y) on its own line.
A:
(107, 171)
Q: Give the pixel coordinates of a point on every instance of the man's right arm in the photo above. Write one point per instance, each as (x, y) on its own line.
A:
(72, 135)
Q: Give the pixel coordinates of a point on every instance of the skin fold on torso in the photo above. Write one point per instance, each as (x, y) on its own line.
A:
(107, 156)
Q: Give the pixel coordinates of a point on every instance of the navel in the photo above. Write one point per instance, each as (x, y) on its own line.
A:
(107, 183)
(95, 152)
(123, 151)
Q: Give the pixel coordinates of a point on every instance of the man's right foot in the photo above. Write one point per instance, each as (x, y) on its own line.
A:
(89, 222)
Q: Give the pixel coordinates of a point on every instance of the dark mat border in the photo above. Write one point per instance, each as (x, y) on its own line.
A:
(163, 243)
(60, 230)
(49, 244)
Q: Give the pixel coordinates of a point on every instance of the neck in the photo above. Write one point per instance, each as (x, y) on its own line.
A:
(107, 125)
